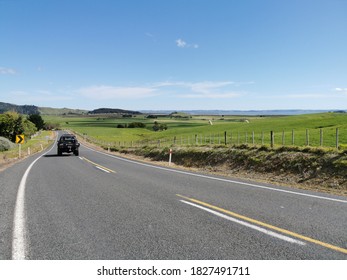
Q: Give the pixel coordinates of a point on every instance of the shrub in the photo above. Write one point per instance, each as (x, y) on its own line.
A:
(51, 126)
(159, 127)
(5, 144)
(136, 125)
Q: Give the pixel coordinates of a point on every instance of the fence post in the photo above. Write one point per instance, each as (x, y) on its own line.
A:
(307, 137)
(293, 137)
(337, 138)
(252, 137)
(225, 138)
(272, 139)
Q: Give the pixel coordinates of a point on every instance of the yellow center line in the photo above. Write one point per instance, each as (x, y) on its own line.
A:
(265, 225)
(98, 165)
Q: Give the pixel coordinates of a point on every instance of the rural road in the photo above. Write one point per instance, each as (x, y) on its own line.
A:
(99, 206)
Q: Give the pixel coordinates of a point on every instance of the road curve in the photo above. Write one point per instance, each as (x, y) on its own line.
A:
(100, 206)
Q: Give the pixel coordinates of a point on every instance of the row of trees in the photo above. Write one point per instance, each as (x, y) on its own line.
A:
(12, 124)
(156, 127)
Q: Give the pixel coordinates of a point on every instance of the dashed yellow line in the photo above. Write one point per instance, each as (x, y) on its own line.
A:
(265, 225)
(98, 165)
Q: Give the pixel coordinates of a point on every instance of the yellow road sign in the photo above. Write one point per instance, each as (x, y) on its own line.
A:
(20, 139)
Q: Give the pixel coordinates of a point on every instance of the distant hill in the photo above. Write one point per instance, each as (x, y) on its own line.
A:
(61, 111)
(32, 109)
(102, 111)
(242, 113)
(21, 109)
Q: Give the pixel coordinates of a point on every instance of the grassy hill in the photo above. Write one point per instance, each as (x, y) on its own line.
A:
(61, 111)
(21, 109)
(32, 109)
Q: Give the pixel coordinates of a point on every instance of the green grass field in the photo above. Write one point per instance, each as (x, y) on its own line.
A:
(198, 129)
(37, 143)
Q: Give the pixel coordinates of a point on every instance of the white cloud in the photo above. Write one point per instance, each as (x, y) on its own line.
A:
(341, 90)
(213, 95)
(180, 43)
(179, 89)
(208, 87)
(205, 89)
(183, 44)
(307, 95)
(110, 92)
(7, 71)
(148, 34)
(38, 97)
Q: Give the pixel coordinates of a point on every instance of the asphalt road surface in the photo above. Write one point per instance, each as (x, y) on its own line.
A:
(99, 206)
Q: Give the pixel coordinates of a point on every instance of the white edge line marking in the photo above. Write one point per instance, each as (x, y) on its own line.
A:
(268, 232)
(219, 179)
(19, 244)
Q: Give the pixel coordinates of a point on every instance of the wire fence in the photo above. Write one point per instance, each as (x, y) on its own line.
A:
(329, 138)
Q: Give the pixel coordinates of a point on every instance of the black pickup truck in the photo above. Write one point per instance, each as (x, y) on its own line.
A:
(68, 143)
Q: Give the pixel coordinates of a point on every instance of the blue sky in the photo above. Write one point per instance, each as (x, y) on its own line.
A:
(174, 54)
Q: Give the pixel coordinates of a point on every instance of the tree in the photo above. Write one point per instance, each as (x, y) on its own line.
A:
(28, 127)
(12, 124)
(159, 127)
(156, 126)
(37, 120)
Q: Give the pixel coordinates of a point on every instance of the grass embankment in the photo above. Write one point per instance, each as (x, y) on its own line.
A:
(308, 168)
(31, 146)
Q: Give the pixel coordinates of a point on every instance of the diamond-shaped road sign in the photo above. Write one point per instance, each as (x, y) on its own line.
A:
(19, 139)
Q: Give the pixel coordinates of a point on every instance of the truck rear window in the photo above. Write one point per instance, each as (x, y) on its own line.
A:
(69, 139)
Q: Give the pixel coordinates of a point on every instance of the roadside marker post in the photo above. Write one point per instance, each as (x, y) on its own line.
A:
(170, 156)
(19, 141)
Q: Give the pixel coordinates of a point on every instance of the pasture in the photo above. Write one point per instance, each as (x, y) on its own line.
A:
(326, 129)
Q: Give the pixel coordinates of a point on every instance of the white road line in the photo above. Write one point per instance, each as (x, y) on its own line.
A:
(263, 230)
(102, 169)
(19, 242)
(220, 179)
